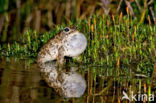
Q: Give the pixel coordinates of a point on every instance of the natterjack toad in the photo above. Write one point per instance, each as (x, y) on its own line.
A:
(69, 42)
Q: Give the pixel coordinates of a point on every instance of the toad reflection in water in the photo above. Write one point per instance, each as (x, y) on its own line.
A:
(67, 84)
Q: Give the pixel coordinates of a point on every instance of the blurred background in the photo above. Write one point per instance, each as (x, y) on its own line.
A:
(17, 16)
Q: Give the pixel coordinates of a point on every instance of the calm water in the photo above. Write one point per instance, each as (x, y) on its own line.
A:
(21, 82)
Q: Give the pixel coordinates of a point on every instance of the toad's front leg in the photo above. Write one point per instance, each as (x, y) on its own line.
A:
(60, 59)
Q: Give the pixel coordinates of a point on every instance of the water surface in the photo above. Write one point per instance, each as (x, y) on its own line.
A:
(21, 82)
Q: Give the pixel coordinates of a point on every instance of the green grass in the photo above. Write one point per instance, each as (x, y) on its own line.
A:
(118, 42)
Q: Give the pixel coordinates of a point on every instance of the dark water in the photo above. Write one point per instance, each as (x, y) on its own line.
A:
(21, 82)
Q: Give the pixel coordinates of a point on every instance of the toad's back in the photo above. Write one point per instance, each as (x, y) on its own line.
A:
(49, 51)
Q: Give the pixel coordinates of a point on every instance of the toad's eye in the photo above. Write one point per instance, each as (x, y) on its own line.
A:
(66, 29)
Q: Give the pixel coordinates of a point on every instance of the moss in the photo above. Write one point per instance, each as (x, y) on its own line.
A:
(112, 42)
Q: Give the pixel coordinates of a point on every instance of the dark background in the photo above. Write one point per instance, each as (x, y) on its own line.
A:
(17, 16)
